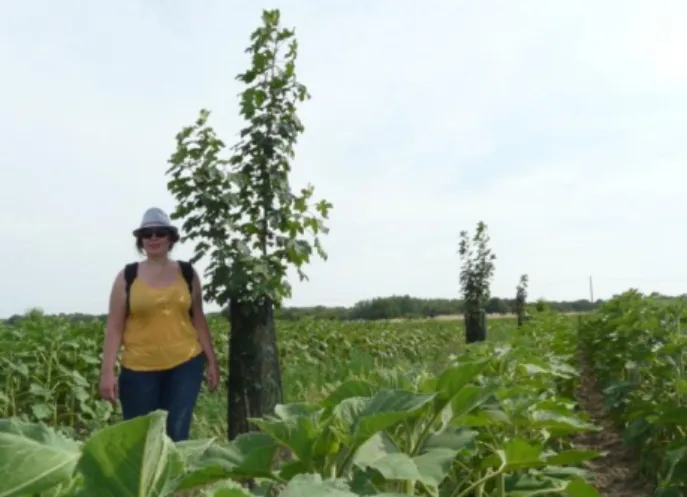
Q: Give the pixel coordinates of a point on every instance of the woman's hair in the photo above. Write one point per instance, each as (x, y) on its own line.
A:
(173, 239)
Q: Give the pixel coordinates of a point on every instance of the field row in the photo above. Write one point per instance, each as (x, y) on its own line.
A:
(414, 419)
(636, 349)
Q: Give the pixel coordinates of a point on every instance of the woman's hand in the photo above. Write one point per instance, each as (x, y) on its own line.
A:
(108, 387)
(212, 376)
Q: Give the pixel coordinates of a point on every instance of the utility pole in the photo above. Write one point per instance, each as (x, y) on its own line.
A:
(591, 290)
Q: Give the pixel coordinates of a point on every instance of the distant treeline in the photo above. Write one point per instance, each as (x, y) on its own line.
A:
(395, 307)
(405, 306)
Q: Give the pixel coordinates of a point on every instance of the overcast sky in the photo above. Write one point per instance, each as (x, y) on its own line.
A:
(561, 124)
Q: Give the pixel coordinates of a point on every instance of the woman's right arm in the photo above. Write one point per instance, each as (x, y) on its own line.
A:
(115, 325)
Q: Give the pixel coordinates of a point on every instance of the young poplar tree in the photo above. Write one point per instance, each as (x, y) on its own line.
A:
(521, 299)
(242, 214)
(475, 277)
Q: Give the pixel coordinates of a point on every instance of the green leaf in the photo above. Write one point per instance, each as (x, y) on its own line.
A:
(314, 486)
(296, 409)
(34, 458)
(471, 397)
(560, 425)
(290, 469)
(386, 409)
(397, 466)
(375, 447)
(227, 489)
(579, 488)
(482, 418)
(435, 465)
(381, 454)
(192, 450)
(529, 369)
(297, 432)
(451, 438)
(672, 458)
(572, 457)
(348, 389)
(41, 411)
(39, 391)
(350, 409)
(519, 454)
(565, 473)
(673, 416)
(452, 380)
(134, 458)
(249, 455)
(526, 485)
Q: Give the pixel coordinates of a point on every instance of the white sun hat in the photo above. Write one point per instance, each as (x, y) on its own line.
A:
(155, 218)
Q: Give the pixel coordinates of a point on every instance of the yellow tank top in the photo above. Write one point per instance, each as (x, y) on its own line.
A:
(159, 334)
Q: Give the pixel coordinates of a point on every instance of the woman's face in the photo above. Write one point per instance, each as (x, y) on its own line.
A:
(156, 241)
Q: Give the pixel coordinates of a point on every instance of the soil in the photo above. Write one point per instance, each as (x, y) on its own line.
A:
(617, 473)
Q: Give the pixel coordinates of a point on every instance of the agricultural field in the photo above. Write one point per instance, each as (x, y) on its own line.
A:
(50, 367)
(381, 409)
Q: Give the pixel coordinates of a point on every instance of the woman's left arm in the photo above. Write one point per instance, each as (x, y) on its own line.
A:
(199, 321)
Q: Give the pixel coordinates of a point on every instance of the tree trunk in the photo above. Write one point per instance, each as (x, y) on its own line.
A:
(523, 317)
(475, 326)
(254, 385)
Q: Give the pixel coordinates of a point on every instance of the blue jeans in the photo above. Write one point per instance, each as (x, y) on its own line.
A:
(174, 390)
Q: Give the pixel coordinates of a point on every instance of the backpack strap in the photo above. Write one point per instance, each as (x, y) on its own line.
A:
(130, 273)
(187, 272)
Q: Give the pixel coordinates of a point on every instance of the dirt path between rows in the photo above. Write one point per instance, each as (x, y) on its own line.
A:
(617, 473)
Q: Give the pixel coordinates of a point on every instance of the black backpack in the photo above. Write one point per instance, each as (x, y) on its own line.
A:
(131, 271)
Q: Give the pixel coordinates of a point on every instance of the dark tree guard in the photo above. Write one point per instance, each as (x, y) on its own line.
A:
(254, 384)
(475, 326)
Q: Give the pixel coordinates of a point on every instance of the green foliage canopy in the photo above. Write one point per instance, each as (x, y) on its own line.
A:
(240, 209)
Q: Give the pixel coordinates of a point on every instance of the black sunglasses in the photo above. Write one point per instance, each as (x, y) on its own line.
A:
(158, 232)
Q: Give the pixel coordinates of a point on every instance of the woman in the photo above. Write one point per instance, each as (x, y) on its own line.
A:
(158, 318)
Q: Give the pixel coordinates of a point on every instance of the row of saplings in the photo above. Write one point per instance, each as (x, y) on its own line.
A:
(235, 201)
(476, 274)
